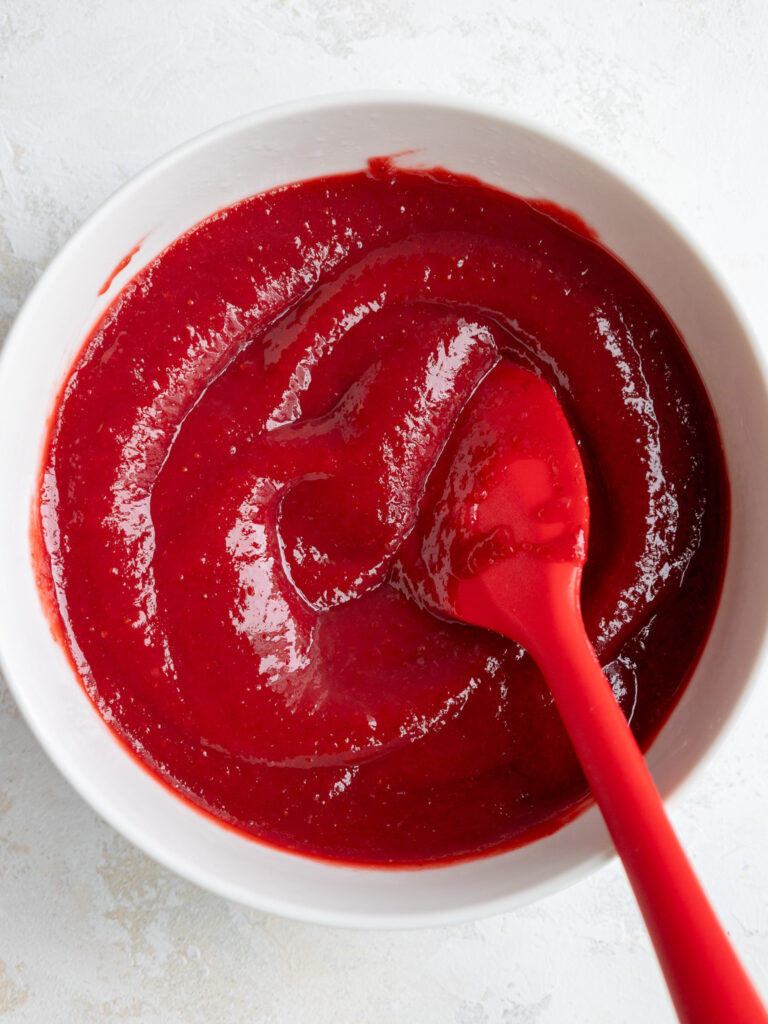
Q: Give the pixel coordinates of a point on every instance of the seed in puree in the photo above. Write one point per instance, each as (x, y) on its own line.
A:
(232, 478)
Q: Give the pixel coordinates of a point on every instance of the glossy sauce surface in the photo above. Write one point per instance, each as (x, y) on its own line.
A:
(236, 467)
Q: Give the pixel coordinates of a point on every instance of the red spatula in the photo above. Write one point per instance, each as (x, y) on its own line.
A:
(516, 497)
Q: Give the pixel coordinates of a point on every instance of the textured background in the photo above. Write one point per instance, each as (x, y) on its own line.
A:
(675, 94)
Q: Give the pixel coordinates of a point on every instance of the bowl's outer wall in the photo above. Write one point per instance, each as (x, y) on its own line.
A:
(248, 156)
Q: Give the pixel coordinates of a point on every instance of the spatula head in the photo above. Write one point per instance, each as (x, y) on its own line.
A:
(507, 539)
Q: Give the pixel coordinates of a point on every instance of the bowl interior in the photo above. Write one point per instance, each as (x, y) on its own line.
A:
(234, 161)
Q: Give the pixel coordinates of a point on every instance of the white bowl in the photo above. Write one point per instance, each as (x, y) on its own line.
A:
(285, 144)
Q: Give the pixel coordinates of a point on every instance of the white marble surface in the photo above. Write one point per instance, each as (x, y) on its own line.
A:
(674, 93)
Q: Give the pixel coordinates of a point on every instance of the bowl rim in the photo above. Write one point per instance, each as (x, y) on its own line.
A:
(147, 842)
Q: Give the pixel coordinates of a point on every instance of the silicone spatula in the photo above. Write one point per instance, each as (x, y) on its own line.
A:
(514, 554)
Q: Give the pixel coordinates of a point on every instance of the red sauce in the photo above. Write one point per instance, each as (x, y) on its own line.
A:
(234, 471)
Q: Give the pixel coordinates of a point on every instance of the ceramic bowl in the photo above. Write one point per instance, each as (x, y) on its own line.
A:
(266, 149)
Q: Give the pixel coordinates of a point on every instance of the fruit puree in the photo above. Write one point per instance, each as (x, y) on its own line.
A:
(233, 474)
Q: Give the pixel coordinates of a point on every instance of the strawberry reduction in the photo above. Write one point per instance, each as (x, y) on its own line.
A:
(233, 477)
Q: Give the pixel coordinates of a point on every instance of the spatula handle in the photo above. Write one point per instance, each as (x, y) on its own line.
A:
(705, 978)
